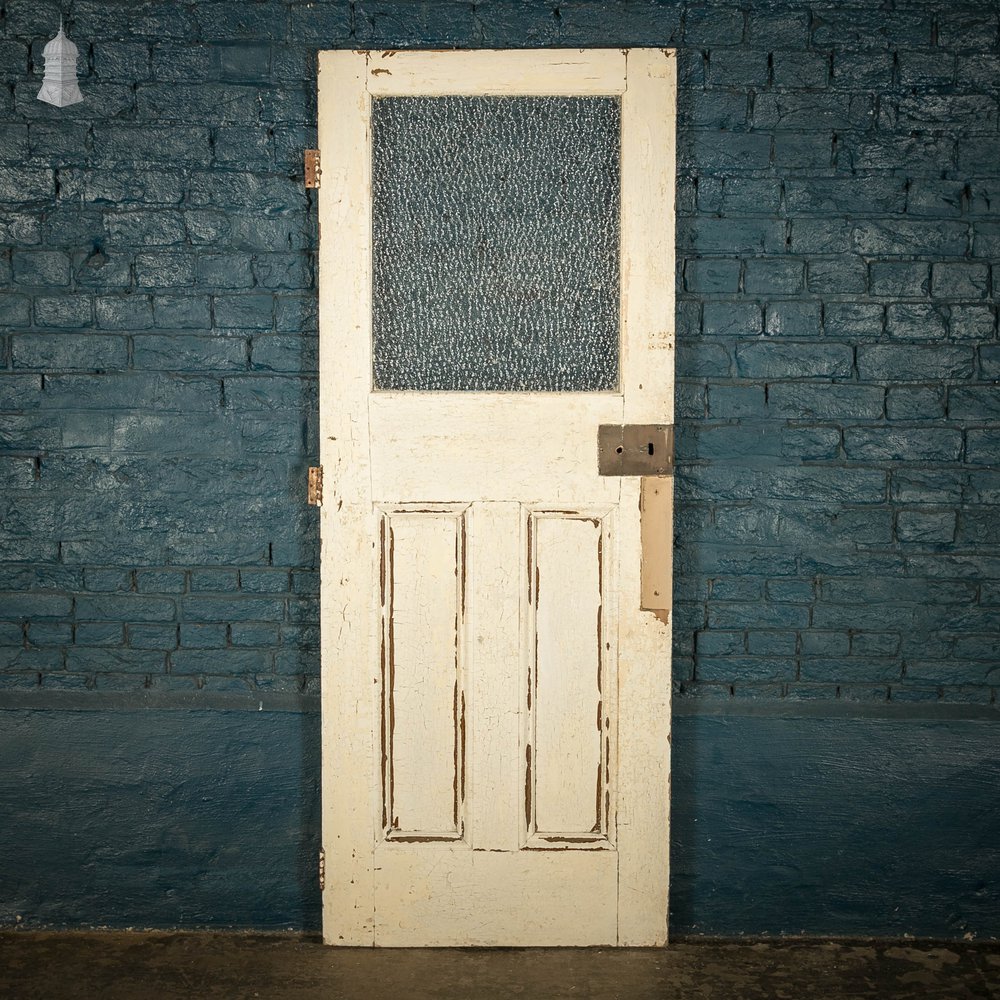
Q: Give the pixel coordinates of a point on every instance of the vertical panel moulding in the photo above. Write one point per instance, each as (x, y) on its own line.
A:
(422, 729)
(569, 680)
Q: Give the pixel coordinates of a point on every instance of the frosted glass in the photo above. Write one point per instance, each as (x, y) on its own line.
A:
(495, 255)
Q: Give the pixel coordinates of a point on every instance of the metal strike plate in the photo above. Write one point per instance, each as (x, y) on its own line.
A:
(635, 449)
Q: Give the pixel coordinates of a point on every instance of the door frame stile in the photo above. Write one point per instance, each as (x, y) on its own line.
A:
(348, 644)
(648, 247)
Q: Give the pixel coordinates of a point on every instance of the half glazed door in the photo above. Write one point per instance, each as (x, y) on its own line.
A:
(496, 283)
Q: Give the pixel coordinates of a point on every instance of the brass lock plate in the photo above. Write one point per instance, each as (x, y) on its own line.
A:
(635, 449)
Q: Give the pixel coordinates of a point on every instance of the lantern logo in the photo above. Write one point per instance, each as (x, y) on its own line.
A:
(59, 85)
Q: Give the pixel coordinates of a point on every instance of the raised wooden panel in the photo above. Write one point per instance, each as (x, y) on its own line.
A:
(570, 683)
(422, 582)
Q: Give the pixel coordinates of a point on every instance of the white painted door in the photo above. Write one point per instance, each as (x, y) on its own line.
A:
(496, 281)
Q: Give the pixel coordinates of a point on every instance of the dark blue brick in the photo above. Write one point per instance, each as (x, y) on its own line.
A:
(935, 197)
(232, 609)
(970, 113)
(965, 28)
(792, 319)
(899, 278)
(803, 150)
(732, 615)
(811, 444)
(711, 276)
(975, 402)
(835, 196)
(734, 236)
(705, 26)
(737, 67)
(925, 487)
(242, 63)
(914, 402)
(184, 144)
(151, 636)
(986, 242)
(145, 228)
(983, 447)
(731, 319)
(124, 62)
(218, 20)
(811, 110)
(15, 310)
(248, 312)
(954, 280)
(897, 444)
(238, 189)
(123, 312)
(49, 633)
(68, 313)
(68, 352)
(23, 184)
(773, 360)
(769, 643)
(721, 151)
(190, 353)
(773, 276)
(41, 267)
(730, 401)
(915, 321)
(54, 142)
(214, 581)
(182, 312)
(853, 28)
(714, 109)
(912, 363)
(926, 527)
(194, 636)
(256, 634)
(224, 270)
(813, 643)
(13, 141)
(164, 269)
(801, 70)
(750, 196)
(243, 147)
(283, 270)
(732, 669)
(845, 275)
(931, 68)
(391, 25)
(903, 237)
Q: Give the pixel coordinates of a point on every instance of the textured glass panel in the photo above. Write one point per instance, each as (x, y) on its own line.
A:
(495, 243)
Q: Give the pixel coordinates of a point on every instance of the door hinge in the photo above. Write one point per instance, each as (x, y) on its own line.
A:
(322, 870)
(313, 168)
(314, 490)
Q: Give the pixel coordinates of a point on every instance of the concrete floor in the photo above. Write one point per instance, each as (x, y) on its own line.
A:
(205, 966)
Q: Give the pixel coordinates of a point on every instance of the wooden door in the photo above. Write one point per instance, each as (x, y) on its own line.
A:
(496, 281)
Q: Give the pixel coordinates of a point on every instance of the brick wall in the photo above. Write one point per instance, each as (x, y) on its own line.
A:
(838, 532)
(839, 217)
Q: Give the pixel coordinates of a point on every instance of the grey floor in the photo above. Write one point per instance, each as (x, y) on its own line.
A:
(164, 966)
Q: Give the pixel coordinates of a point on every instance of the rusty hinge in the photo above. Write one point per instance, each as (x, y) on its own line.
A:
(322, 870)
(313, 168)
(314, 491)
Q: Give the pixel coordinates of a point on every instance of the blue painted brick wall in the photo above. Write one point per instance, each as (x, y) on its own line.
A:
(838, 361)
(838, 200)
